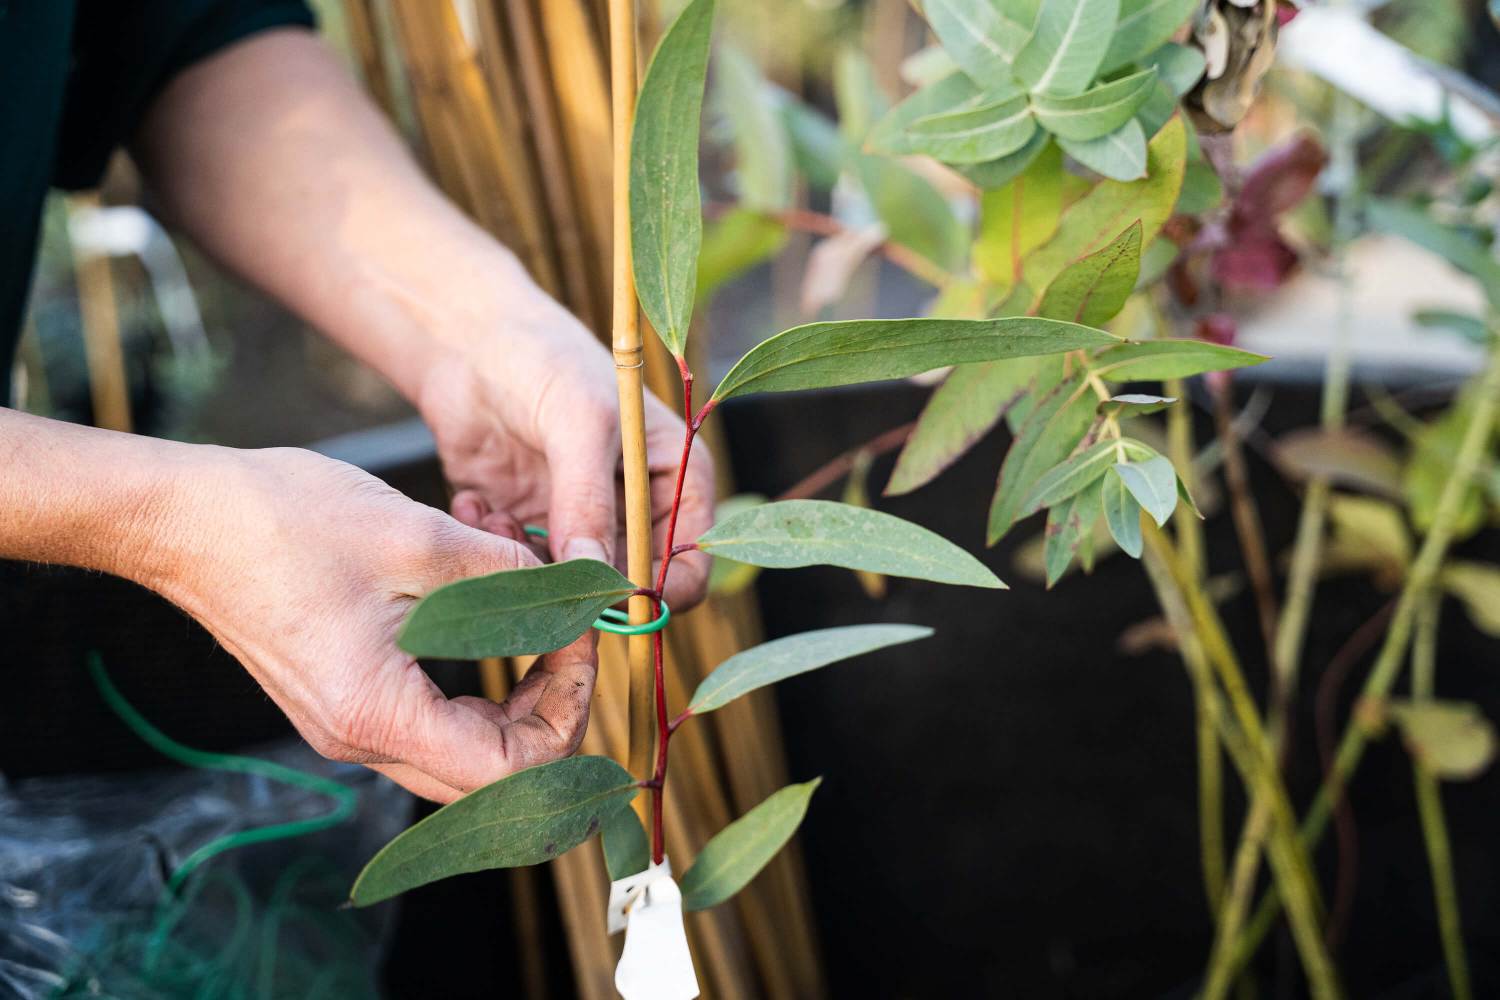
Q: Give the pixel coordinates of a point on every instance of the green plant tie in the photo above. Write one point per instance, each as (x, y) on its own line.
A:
(345, 799)
(614, 620)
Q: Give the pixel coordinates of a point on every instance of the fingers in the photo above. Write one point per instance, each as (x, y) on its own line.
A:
(548, 711)
(582, 458)
(471, 509)
(423, 786)
(687, 583)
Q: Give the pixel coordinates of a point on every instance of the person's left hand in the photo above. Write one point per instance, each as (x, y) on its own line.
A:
(527, 426)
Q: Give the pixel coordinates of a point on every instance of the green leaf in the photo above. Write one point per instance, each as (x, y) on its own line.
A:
(1065, 51)
(1099, 216)
(1144, 25)
(725, 576)
(738, 852)
(965, 408)
(1093, 290)
(666, 223)
(1477, 585)
(1451, 739)
(1180, 67)
(775, 661)
(1467, 326)
(948, 94)
(998, 173)
(734, 244)
(981, 36)
(1119, 155)
(857, 95)
(1202, 191)
(1453, 245)
(1019, 217)
(1096, 112)
(792, 533)
(626, 850)
(915, 213)
(1123, 515)
(1153, 483)
(988, 130)
(514, 612)
(821, 355)
(1061, 482)
(1156, 360)
(1133, 404)
(820, 152)
(1434, 449)
(1050, 433)
(532, 816)
(763, 152)
(1069, 528)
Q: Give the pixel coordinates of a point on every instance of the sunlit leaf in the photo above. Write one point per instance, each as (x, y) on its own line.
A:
(738, 852)
(1098, 111)
(626, 850)
(1019, 217)
(1144, 25)
(1120, 155)
(965, 408)
(1367, 535)
(530, 817)
(1123, 515)
(1153, 483)
(982, 36)
(775, 661)
(857, 94)
(821, 355)
(1093, 290)
(1477, 585)
(791, 533)
(665, 211)
(1155, 360)
(1451, 739)
(763, 152)
(513, 612)
(1068, 45)
(1434, 449)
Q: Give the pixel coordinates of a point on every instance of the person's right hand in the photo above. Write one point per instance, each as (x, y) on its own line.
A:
(304, 568)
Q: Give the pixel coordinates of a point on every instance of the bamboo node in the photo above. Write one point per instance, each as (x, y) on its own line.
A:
(623, 354)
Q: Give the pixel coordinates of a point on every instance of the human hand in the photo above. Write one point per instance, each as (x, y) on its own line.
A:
(526, 422)
(304, 568)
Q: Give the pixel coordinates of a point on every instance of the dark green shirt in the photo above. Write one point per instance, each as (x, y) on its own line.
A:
(77, 75)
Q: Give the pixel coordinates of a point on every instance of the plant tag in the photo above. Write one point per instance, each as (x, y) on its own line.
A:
(656, 963)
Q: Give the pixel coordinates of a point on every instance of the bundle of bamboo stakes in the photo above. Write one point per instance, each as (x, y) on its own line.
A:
(508, 103)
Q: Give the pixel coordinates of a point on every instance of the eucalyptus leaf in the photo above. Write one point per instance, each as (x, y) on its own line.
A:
(626, 850)
(1133, 404)
(1153, 483)
(1156, 360)
(1180, 67)
(763, 151)
(1123, 516)
(530, 817)
(1049, 434)
(738, 852)
(1451, 739)
(817, 147)
(1095, 289)
(857, 95)
(1098, 111)
(1453, 245)
(514, 612)
(1069, 529)
(734, 244)
(775, 661)
(915, 214)
(1120, 155)
(986, 131)
(666, 221)
(1063, 481)
(1090, 223)
(965, 408)
(941, 96)
(1068, 45)
(821, 355)
(1145, 25)
(792, 533)
(1018, 217)
(998, 173)
(1477, 585)
(1466, 325)
(980, 35)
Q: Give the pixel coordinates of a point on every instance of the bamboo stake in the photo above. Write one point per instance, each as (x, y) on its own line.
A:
(630, 359)
(109, 388)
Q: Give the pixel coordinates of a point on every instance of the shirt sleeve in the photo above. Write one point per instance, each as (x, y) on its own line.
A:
(126, 51)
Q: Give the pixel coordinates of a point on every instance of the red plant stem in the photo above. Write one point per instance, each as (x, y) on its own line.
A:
(825, 476)
(664, 728)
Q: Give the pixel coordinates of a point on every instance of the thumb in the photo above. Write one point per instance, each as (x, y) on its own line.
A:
(582, 506)
(460, 552)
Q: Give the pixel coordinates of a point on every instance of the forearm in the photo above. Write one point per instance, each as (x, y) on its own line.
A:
(270, 157)
(85, 497)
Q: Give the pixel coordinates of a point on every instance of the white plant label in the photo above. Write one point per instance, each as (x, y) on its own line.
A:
(656, 963)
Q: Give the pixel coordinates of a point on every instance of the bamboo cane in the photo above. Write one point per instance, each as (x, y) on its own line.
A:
(109, 388)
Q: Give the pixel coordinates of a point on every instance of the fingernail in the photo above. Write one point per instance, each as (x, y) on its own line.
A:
(584, 548)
